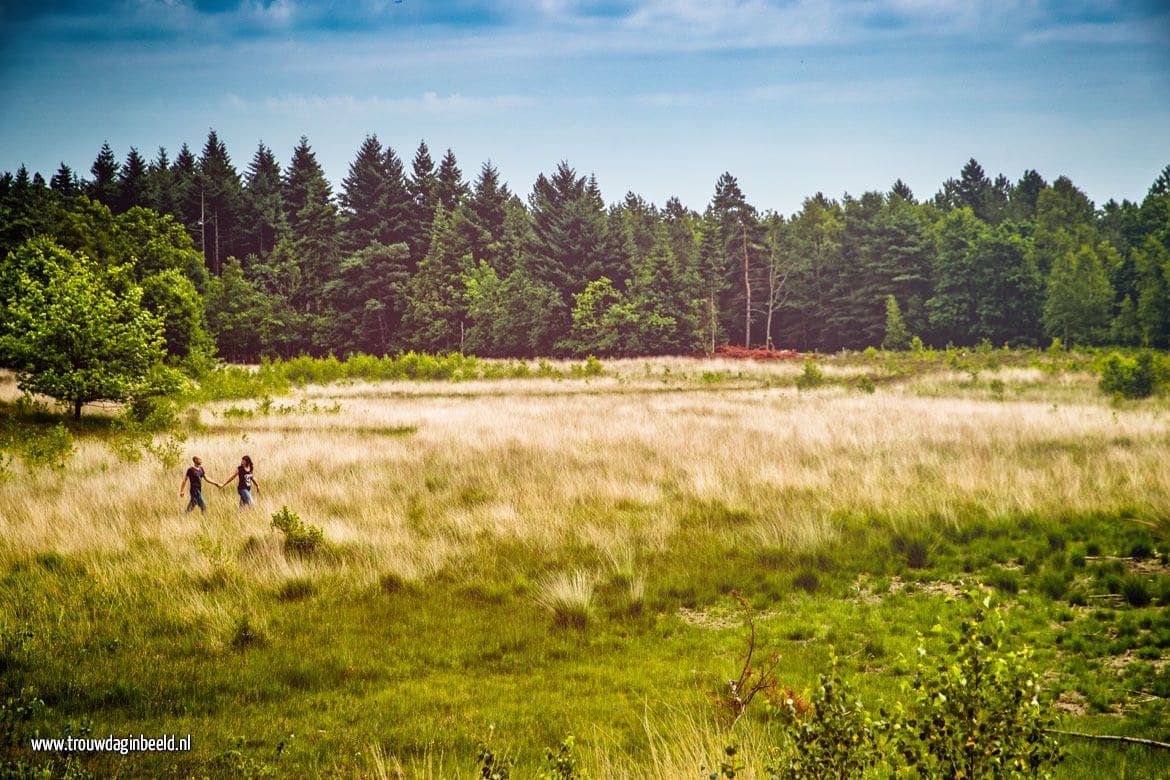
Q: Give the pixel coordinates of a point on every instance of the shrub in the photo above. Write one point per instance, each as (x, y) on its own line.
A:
(562, 764)
(833, 737)
(1054, 584)
(392, 583)
(811, 377)
(975, 712)
(492, 766)
(51, 448)
(299, 537)
(1006, 580)
(1128, 377)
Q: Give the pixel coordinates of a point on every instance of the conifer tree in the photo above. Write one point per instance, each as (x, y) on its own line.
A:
(264, 203)
(363, 196)
(65, 182)
(897, 336)
(221, 203)
(133, 186)
(104, 185)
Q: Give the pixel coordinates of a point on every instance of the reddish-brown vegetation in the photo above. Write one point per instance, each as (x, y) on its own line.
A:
(756, 353)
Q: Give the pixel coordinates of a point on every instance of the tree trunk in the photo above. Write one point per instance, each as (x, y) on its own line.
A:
(747, 291)
(77, 409)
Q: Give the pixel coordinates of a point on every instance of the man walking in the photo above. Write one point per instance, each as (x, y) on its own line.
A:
(195, 475)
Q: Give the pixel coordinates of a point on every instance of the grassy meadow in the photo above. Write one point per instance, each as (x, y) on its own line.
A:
(513, 560)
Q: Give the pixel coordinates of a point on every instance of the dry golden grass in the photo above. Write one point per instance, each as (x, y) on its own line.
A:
(407, 474)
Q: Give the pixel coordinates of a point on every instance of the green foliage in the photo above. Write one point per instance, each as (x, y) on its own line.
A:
(897, 334)
(52, 447)
(834, 736)
(975, 710)
(1079, 297)
(1128, 377)
(811, 376)
(562, 763)
(972, 712)
(730, 764)
(491, 765)
(300, 538)
(72, 330)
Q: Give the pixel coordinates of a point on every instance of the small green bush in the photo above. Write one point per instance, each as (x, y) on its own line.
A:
(562, 764)
(299, 537)
(975, 712)
(1006, 580)
(830, 736)
(1128, 377)
(52, 448)
(811, 377)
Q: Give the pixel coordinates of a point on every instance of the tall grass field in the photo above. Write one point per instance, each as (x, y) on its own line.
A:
(439, 570)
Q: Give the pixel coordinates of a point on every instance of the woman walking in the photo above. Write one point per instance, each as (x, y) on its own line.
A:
(246, 481)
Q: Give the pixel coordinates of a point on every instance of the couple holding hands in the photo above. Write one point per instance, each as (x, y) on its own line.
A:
(196, 476)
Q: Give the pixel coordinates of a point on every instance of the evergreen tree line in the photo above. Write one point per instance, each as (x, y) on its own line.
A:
(273, 262)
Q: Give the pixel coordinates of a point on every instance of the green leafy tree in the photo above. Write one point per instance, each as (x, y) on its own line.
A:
(1064, 222)
(173, 298)
(1024, 196)
(815, 244)
(1152, 267)
(73, 330)
(236, 314)
(1079, 301)
(488, 209)
(1126, 329)
(735, 248)
(665, 302)
(65, 182)
(162, 191)
(1007, 287)
(524, 328)
(568, 232)
(594, 330)
(975, 710)
(885, 249)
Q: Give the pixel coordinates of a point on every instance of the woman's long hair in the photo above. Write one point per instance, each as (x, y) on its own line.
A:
(248, 461)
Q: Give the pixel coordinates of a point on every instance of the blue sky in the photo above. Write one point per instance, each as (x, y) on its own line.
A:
(654, 96)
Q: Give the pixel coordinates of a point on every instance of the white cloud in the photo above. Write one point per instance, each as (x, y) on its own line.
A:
(428, 103)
